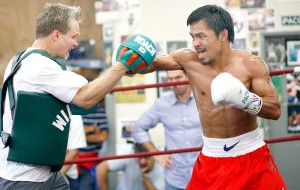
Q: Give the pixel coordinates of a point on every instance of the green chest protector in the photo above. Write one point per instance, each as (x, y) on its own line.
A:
(41, 123)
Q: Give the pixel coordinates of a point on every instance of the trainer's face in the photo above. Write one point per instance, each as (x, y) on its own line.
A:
(175, 76)
(205, 42)
(68, 41)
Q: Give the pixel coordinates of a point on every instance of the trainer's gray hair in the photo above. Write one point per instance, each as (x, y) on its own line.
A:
(56, 17)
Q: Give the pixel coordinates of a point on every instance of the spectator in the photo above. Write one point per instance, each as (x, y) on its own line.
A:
(43, 74)
(179, 115)
(141, 173)
(76, 140)
(96, 131)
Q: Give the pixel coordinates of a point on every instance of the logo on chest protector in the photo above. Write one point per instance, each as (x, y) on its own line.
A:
(62, 119)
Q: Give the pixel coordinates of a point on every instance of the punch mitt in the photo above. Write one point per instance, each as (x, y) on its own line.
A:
(114, 60)
(136, 52)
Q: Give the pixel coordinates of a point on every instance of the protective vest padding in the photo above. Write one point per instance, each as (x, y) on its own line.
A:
(76, 110)
(34, 138)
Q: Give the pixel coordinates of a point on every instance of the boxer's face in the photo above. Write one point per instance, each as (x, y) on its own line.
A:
(205, 42)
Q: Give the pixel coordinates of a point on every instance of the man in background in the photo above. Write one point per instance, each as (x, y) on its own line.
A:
(179, 115)
(142, 173)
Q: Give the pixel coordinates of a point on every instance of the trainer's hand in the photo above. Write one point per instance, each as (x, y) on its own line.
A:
(226, 89)
(114, 60)
(136, 52)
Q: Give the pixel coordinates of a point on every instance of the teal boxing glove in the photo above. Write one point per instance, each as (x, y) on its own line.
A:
(136, 52)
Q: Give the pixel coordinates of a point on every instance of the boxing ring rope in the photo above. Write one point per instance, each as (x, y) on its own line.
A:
(281, 72)
(164, 84)
(143, 154)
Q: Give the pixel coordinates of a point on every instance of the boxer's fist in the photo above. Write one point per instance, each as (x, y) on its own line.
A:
(226, 89)
(136, 52)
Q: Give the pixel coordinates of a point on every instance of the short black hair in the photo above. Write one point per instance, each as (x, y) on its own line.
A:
(139, 148)
(216, 19)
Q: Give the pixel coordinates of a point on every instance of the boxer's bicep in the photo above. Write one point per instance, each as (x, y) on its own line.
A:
(261, 80)
(262, 86)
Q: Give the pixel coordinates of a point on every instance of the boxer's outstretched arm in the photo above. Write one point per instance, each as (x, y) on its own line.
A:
(172, 61)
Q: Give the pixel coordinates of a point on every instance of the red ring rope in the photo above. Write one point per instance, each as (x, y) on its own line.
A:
(281, 72)
(143, 154)
(164, 84)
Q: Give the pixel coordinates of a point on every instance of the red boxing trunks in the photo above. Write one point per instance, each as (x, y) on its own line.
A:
(232, 164)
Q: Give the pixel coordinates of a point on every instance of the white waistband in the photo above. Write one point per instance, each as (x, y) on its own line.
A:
(232, 147)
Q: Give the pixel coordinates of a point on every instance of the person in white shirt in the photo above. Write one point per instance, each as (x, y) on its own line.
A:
(57, 30)
(76, 140)
(142, 173)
